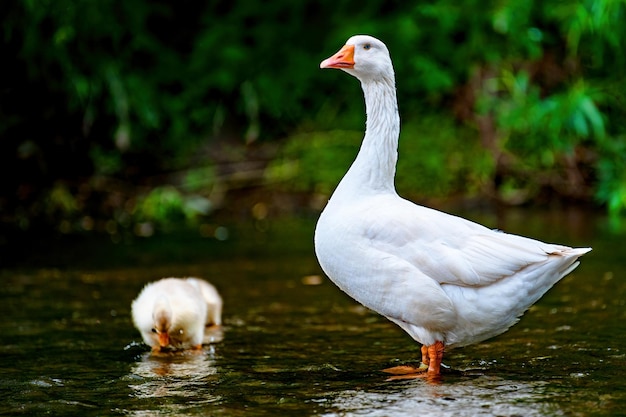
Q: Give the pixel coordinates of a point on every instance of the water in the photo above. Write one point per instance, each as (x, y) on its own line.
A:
(294, 344)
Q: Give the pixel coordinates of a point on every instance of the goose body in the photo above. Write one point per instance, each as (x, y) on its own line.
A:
(173, 313)
(446, 281)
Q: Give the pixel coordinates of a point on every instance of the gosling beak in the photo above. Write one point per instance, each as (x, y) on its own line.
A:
(164, 339)
(344, 58)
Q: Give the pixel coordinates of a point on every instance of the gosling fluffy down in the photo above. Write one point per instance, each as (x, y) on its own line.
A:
(173, 313)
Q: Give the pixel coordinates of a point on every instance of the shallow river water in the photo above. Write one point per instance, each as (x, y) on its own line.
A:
(293, 343)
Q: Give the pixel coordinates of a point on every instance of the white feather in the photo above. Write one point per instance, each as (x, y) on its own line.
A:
(438, 276)
(180, 307)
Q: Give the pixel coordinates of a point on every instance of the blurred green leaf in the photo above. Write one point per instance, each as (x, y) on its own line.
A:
(134, 89)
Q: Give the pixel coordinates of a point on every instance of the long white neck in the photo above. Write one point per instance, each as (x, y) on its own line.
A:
(374, 168)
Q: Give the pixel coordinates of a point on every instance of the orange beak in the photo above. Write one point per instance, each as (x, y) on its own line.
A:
(344, 58)
(164, 339)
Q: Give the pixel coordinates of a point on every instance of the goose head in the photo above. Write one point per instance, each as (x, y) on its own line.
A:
(363, 57)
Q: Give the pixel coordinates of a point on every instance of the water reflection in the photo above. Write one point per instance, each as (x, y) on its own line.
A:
(178, 383)
(483, 396)
(299, 346)
(171, 374)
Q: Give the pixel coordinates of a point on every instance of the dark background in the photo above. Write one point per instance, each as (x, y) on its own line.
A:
(138, 116)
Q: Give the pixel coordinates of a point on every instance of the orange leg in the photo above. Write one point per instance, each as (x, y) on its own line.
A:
(425, 357)
(430, 368)
(435, 356)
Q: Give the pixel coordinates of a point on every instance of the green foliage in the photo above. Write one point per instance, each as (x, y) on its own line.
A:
(315, 162)
(164, 206)
(436, 158)
(535, 127)
(199, 179)
(130, 89)
(612, 175)
(61, 199)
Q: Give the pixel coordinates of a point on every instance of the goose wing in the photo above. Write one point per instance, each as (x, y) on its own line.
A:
(452, 250)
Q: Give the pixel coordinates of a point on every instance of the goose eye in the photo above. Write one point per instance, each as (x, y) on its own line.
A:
(367, 46)
(180, 331)
(154, 330)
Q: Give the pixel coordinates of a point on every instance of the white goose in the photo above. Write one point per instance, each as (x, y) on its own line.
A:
(173, 313)
(446, 281)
